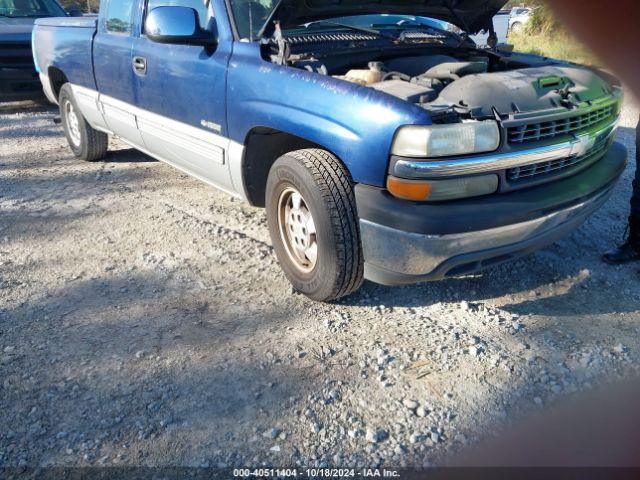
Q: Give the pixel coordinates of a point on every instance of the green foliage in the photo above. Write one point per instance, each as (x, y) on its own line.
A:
(544, 22)
(520, 3)
(545, 35)
(87, 6)
(560, 45)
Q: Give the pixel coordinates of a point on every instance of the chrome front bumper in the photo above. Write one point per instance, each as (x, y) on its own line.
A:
(398, 257)
(578, 146)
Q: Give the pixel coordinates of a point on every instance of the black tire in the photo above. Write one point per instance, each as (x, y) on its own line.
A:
(516, 27)
(86, 143)
(327, 190)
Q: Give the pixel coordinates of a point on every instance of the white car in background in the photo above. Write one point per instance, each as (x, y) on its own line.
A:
(519, 17)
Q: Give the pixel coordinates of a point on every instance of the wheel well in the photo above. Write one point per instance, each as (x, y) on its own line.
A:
(57, 79)
(263, 146)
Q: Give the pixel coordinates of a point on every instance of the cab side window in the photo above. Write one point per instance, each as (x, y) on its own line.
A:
(199, 6)
(119, 16)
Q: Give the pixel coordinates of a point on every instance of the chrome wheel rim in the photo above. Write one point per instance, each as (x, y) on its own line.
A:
(297, 230)
(73, 125)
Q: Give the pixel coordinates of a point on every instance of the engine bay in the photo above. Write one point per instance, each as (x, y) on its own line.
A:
(416, 79)
(452, 83)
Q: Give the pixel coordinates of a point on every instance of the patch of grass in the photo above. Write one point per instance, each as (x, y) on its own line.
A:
(557, 45)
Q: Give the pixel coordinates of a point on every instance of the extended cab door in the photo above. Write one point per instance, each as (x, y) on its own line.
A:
(180, 93)
(113, 69)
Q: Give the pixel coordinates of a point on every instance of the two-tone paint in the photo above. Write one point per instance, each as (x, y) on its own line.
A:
(196, 108)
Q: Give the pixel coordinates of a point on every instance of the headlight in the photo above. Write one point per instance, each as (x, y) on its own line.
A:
(446, 140)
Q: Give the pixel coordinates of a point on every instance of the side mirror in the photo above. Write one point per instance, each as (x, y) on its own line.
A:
(177, 25)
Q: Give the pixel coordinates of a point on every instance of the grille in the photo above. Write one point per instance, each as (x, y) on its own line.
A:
(535, 132)
(15, 55)
(555, 166)
(329, 37)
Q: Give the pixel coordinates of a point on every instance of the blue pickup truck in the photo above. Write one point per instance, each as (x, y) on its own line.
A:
(381, 145)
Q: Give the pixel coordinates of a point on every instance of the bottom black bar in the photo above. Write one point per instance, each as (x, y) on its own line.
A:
(444, 473)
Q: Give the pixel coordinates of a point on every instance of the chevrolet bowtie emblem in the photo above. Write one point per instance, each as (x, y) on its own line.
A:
(582, 145)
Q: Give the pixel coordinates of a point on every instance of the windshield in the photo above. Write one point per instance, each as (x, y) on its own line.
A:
(30, 8)
(392, 21)
(250, 16)
(388, 22)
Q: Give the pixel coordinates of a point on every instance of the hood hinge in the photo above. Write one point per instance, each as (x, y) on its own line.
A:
(283, 47)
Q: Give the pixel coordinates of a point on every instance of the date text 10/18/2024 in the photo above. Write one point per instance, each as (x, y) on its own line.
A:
(316, 473)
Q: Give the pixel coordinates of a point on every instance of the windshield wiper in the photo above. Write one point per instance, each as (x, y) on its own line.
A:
(371, 31)
(422, 26)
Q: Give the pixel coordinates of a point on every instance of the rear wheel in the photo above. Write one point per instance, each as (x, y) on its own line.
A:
(516, 27)
(85, 142)
(313, 224)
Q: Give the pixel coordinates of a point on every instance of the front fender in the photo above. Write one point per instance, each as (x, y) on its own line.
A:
(355, 123)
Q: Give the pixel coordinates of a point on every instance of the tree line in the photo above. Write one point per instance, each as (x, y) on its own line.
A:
(87, 6)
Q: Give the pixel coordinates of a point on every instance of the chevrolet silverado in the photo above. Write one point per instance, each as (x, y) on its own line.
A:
(382, 145)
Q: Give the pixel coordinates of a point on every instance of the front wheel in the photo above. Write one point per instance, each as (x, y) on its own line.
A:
(313, 224)
(85, 142)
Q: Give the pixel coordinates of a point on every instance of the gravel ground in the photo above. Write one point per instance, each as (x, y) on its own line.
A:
(145, 321)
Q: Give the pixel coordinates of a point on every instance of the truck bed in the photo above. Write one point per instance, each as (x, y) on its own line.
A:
(71, 22)
(65, 45)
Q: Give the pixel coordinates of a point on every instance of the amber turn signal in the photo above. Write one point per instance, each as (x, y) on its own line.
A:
(442, 190)
(408, 189)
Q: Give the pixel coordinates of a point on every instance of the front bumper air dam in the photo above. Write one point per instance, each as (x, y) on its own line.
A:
(424, 242)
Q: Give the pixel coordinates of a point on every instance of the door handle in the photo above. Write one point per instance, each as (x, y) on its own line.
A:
(140, 65)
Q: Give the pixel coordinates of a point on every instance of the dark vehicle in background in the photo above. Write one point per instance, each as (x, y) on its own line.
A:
(18, 77)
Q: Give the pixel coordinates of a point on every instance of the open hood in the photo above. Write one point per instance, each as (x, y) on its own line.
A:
(470, 15)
